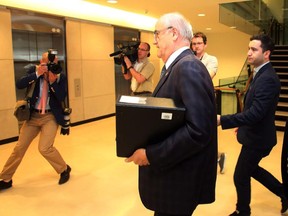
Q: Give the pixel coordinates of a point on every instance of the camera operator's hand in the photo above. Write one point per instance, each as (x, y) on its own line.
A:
(52, 77)
(41, 69)
(127, 62)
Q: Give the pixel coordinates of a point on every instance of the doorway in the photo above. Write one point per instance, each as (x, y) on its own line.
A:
(125, 37)
(33, 34)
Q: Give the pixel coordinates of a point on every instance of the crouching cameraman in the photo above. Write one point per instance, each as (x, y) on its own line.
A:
(46, 115)
(141, 72)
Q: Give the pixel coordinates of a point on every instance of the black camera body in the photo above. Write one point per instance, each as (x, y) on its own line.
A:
(131, 51)
(51, 65)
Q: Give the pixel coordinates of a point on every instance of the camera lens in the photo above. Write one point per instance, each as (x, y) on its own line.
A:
(54, 68)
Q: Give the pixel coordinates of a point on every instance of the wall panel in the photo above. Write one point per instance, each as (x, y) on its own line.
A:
(90, 70)
(9, 125)
(158, 63)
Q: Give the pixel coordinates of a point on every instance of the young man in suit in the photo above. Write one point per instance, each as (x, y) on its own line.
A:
(256, 126)
(46, 116)
(179, 173)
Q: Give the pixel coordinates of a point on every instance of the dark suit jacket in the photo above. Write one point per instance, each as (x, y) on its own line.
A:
(58, 93)
(182, 170)
(257, 121)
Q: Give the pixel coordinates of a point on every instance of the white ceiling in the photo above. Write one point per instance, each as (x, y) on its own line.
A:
(189, 8)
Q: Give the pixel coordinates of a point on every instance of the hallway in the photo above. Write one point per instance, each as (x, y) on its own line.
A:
(103, 185)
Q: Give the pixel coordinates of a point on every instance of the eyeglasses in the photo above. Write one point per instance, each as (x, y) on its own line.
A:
(157, 32)
(198, 43)
(142, 49)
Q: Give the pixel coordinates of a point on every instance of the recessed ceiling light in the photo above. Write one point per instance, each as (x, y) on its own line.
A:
(208, 29)
(233, 27)
(112, 1)
(201, 14)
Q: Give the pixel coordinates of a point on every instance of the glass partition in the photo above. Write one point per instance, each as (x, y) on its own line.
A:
(125, 37)
(231, 90)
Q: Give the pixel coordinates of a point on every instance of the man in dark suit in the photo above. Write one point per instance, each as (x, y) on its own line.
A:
(256, 126)
(178, 173)
(46, 115)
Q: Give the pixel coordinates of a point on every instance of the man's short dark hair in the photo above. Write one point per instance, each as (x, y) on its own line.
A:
(202, 35)
(266, 42)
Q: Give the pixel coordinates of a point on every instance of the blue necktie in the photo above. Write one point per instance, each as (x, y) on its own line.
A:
(163, 71)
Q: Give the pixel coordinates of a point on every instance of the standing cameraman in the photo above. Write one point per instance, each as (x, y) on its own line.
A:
(46, 115)
(141, 72)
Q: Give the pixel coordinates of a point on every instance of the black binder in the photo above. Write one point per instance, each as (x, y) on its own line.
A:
(142, 121)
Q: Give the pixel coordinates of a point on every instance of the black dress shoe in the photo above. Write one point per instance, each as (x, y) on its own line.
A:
(235, 213)
(284, 209)
(65, 175)
(5, 185)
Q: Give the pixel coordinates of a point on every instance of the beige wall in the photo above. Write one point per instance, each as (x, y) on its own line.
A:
(91, 84)
(149, 38)
(8, 125)
(231, 51)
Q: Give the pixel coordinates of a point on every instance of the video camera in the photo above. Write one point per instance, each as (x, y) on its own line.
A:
(131, 51)
(51, 65)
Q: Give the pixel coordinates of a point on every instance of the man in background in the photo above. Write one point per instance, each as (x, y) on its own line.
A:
(198, 45)
(141, 72)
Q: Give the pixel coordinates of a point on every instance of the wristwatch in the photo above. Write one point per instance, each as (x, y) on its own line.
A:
(130, 67)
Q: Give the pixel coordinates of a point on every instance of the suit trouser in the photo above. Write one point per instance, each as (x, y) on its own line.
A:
(247, 167)
(161, 214)
(46, 125)
(156, 213)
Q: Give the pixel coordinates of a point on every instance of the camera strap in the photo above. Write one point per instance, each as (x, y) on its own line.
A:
(29, 90)
(63, 103)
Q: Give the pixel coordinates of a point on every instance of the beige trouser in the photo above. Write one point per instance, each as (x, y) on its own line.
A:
(46, 125)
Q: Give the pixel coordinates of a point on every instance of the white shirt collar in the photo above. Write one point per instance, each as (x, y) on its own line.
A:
(259, 67)
(174, 55)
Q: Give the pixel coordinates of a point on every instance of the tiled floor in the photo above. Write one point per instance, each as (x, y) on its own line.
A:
(103, 185)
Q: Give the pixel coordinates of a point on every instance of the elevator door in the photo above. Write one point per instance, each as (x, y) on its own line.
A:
(126, 37)
(33, 34)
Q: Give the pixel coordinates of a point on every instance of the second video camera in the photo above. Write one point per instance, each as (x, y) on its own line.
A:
(131, 51)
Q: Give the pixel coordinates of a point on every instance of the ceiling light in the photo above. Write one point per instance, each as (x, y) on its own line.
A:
(85, 10)
(208, 29)
(201, 14)
(112, 1)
